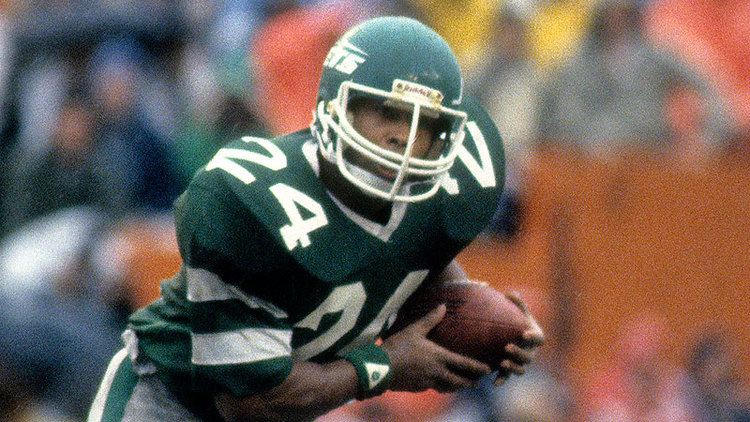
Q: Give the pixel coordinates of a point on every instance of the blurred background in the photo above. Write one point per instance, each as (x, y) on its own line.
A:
(624, 223)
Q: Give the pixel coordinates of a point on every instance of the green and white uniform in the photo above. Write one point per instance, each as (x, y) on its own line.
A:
(276, 270)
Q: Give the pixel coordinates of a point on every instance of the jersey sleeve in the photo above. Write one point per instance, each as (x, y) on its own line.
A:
(240, 342)
(215, 231)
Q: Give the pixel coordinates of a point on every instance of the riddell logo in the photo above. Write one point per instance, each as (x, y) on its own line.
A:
(425, 92)
(345, 57)
(409, 89)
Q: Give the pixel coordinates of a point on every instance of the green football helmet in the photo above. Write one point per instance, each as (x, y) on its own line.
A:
(404, 63)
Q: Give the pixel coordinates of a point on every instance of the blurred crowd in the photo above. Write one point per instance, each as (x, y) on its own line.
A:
(108, 107)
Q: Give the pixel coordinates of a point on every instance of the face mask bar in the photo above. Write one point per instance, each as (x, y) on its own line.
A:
(429, 172)
(342, 101)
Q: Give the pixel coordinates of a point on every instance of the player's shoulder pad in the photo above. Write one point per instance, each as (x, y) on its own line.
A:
(233, 195)
(246, 168)
(478, 176)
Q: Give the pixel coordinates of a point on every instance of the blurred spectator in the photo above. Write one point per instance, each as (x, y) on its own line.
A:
(507, 84)
(210, 118)
(685, 117)
(52, 41)
(556, 29)
(57, 331)
(717, 392)
(68, 173)
(287, 73)
(137, 158)
(536, 396)
(40, 88)
(234, 24)
(714, 37)
(640, 384)
(51, 45)
(613, 92)
(465, 25)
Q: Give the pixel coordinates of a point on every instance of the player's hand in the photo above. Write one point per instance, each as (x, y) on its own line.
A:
(520, 355)
(419, 363)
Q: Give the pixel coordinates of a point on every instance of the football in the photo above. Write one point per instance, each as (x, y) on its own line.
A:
(479, 320)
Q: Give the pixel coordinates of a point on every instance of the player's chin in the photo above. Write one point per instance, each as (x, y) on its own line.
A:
(386, 175)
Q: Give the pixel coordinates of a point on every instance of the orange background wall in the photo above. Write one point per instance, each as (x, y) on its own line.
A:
(631, 235)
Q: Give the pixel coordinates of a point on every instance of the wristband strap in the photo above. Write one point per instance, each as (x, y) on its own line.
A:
(373, 370)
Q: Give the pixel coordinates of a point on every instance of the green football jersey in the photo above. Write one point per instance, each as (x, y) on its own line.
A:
(276, 270)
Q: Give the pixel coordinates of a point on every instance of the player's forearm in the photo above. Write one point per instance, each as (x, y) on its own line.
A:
(309, 391)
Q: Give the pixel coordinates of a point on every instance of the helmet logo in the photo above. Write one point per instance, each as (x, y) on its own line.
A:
(344, 57)
(417, 92)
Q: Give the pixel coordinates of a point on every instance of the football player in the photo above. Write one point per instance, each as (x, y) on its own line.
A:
(299, 251)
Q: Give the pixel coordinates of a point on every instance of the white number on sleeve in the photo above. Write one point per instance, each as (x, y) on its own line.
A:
(296, 232)
(483, 171)
(224, 159)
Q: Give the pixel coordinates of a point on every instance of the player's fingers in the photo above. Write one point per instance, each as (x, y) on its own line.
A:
(502, 376)
(473, 372)
(465, 365)
(449, 382)
(533, 336)
(511, 367)
(429, 321)
(515, 297)
(518, 354)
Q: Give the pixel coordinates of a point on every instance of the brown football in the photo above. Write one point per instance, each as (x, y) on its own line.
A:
(479, 321)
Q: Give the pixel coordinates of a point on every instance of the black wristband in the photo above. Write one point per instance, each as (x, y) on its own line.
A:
(373, 370)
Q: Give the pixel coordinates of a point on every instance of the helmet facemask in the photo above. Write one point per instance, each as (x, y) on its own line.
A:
(414, 178)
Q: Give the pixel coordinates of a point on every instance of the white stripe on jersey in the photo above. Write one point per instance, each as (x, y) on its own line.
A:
(97, 408)
(242, 346)
(204, 286)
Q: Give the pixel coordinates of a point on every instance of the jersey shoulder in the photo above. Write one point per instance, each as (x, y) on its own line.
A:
(476, 181)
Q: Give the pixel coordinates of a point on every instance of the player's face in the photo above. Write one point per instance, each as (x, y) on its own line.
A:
(388, 127)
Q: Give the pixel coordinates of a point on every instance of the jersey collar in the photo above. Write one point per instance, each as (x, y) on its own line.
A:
(382, 232)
